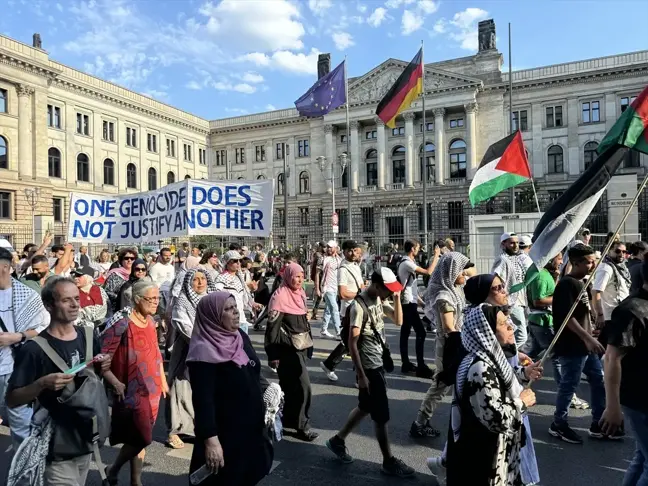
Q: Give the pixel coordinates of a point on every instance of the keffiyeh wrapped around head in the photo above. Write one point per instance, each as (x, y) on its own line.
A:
(442, 282)
(188, 297)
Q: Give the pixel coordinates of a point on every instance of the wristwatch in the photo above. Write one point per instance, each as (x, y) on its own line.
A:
(23, 337)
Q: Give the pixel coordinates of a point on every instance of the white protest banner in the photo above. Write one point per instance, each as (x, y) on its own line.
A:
(190, 207)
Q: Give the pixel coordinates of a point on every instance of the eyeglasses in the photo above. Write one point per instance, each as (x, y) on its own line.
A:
(499, 289)
(151, 300)
(140, 269)
(129, 258)
(618, 252)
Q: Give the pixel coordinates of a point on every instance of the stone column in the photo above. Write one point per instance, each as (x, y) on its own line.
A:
(380, 128)
(355, 155)
(331, 159)
(471, 138)
(229, 162)
(410, 149)
(25, 159)
(440, 152)
(250, 157)
(291, 165)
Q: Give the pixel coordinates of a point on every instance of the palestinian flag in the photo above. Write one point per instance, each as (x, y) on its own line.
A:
(566, 216)
(630, 128)
(504, 165)
(407, 87)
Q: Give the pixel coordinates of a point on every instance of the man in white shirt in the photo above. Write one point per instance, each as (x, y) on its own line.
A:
(611, 285)
(408, 272)
(350, 283)
(327, 286)
(22, 317)
(163, 272)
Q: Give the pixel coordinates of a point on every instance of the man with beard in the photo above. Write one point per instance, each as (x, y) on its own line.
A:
(350, 284)
(511, 267)
(611, 286)
(40, 273)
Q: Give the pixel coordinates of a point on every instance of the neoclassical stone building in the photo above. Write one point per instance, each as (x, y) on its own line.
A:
(62, 131)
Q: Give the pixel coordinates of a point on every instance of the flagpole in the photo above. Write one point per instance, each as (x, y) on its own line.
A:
(510, 88)
(349, 156)
(424, 165)
(608, 246)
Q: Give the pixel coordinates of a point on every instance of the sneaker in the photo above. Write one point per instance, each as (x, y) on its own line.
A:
(407, 368)
(396, 467)
(423, 430)
(595, 432)
(326, 334)
(578, 403)
(329, 374)
(437, 468)
(424, 372)
(566, 433)
(339, 448)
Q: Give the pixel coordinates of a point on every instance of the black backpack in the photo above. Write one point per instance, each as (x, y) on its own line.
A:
(345, 331)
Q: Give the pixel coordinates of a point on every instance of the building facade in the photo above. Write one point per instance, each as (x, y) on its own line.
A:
(63, 131)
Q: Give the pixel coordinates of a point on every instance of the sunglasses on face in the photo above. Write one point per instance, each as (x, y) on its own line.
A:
(140, 269)
(129, 258)
(618, 252)
(499, 289)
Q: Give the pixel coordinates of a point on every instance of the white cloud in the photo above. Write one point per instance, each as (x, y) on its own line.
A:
(397, 3)
(270, 107)
(377, 17)
(253, 78)
(411, 22)
(440, 26)
(156, 93)
(298, 63)
(59, 7)
(227, 86)
(318, 7)
(361, 8)
(194, 85)
(342, 40)
(238, 111)
(428, 6)
(270, 25)
(465, 27)
(257, 58)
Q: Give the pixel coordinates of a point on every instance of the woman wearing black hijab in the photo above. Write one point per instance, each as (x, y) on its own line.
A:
(125, 295)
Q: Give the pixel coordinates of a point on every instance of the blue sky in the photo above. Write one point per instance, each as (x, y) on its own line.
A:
(224, 58)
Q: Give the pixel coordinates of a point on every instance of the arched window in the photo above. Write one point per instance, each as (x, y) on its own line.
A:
(152, 179)
(398, 164)
(555, 159)
(372, 167)
(4, 158)
(53, 161)
(83, 168)
(430, 150)
(3, 101)
(280, 184)
(109, 172)
(170, 177)
(240, 178)
(260, 177)
(457, 159)
(589, 153)
(131, 176)
(187, 177)
(304, 183)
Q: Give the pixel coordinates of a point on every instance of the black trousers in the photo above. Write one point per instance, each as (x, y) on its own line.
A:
(336, 357)
(411, 319)
(295, 383)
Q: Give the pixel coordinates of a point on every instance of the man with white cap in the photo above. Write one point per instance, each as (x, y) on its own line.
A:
(525, 243)
(231, 280)
(511, 267)
(327, 287)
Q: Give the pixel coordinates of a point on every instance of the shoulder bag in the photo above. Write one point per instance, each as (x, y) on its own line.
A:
(388, 362)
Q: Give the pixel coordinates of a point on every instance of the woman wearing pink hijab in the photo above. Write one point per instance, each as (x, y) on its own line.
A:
(288, 344)
(225, 377)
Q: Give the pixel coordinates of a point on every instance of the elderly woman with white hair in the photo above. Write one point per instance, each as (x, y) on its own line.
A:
(137, 378)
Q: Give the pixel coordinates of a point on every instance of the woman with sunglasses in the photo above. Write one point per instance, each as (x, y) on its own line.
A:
(137, 378)
(138, 272)
(119, 275)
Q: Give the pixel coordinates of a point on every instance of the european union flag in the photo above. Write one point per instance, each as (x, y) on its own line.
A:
(325, 95)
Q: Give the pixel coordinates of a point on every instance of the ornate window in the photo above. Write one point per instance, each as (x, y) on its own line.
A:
(280, 185)
(372, 167)
(170, 177)
(555, 159)
(457, 159)
(429, 161)
(260, 177)
(53, 162)
(589, 153)
(304, 183)
(131, 176)
(109, 172)
(398, 164)
(83, 168)
(152, 179)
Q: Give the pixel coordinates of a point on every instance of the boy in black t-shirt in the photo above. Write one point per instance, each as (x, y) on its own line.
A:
(577, 350)
(36, 377)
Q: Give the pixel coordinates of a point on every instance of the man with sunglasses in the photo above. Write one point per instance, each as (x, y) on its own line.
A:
(611, 286)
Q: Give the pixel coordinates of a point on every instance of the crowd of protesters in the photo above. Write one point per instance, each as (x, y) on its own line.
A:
(80, 334)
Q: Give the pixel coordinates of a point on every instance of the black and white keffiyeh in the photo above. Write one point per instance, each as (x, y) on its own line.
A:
(188, 298)
(442, 282)
(29, 462)
(479, 340)
(514, 273)
(116, 317)
(28, 310)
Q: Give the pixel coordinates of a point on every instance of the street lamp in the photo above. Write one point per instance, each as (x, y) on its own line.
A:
(323, 163)
(32, 194)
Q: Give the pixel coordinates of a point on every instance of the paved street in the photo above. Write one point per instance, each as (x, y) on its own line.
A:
(593, 463)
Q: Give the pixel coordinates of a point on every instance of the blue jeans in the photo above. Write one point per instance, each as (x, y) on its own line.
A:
(19, 418)
(637, 472)
(571, 368)
(331, 311)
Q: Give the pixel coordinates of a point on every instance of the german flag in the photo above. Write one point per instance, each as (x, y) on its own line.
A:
(407, 87)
